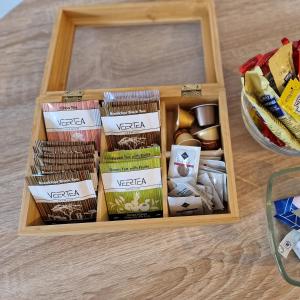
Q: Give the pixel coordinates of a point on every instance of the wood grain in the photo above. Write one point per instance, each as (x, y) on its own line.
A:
(212, 262)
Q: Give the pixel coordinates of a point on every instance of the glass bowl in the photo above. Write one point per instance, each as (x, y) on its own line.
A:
(283, 184)
(257, 135)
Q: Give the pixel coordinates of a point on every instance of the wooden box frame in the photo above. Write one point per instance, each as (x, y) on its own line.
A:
(54, 84)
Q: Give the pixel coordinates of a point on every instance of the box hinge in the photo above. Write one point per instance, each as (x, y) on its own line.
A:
(72, 96)
(191, 90)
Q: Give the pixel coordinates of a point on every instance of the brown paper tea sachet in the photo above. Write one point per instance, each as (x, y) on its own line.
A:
(64, 197)
(131, 120)
(64, 181)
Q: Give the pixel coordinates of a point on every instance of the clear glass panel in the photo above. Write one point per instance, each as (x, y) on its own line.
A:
(127, 56)
(281, 185)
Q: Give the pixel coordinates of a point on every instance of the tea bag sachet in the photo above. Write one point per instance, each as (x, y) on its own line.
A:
(182, 188)
(133, 188)
(184, 161)
(186, 206)
(131, 154)
(258, 86)
(38, 170)
(124, 125)
(73, 121)
(64, 198)
(204, 179)
(41, 148)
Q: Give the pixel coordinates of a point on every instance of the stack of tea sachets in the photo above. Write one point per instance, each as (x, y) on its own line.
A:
(131, 119)
(132, 183)
(73, 121)
(196, 186)
(64, 181)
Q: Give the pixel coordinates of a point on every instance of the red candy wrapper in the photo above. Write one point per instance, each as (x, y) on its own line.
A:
(250, 64)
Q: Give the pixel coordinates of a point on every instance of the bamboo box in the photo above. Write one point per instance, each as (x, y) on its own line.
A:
(212, 91)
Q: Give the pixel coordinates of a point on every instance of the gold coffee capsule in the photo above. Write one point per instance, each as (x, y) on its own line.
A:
(208, 134)
(184, 118)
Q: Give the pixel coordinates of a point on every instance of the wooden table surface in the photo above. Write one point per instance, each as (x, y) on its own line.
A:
(210, 262)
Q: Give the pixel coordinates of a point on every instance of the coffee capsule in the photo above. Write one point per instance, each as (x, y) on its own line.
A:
(210, 145)
(206, 114)
(184, 118)
(190, 142)
(208, 134)
(183, 137)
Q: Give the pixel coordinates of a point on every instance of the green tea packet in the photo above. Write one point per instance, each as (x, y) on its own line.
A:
(133, 188)
(131, 154)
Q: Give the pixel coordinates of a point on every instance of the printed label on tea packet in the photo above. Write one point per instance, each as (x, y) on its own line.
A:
(131, 124)
(133, 180)
(70, 120)
(66, 192)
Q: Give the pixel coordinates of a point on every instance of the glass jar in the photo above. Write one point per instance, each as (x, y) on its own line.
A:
(257, 135)
(283, 184)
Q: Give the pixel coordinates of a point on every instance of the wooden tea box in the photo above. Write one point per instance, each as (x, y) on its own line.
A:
(187, 95)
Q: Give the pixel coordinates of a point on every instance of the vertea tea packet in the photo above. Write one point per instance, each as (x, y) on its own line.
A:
(131, 120)
(131, 154)
(64, 198)
(73, 121)
(184, 161)
(38, 170)
(133, 188)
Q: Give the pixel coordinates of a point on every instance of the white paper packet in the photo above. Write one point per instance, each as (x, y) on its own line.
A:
(184, 161)
(205, 180)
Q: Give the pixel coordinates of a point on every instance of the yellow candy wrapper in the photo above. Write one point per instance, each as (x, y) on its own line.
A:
(278, 129)
(282, 66)
(290, 99)
(259, 87)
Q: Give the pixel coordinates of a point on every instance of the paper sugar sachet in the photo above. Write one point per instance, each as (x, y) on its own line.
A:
(73, 121)
(133, 188)
(65, 197)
